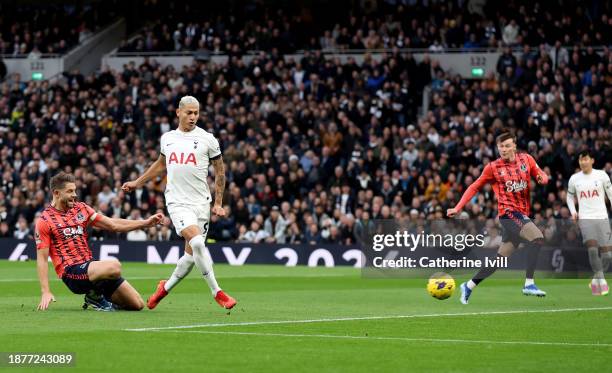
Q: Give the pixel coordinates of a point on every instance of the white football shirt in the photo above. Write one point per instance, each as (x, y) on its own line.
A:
(188, 156)
(589, 190)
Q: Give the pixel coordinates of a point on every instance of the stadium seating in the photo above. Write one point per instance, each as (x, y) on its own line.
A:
(315, 147)
(34, 29)
(190, 26)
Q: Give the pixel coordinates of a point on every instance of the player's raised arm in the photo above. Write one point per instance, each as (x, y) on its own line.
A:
(43, 242)
(219, 168)
(125, 225)
(157, 168)
(483, 179)
(536, 172)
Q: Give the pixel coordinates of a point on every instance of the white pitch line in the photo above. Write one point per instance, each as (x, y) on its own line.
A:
(566, 344)
(484, 313)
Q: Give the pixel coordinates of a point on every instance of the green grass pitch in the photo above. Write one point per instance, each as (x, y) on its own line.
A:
(313, 319)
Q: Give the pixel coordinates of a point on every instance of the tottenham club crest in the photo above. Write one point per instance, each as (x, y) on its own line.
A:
(195, 144)
(523, 167)
(80, 218)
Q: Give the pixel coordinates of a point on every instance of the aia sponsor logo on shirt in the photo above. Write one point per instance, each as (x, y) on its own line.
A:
(515, 186)
(182, 158)
(589, 194)
(73, 231)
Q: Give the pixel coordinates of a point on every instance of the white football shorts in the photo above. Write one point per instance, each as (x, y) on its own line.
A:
(183, 216)
(596, 230)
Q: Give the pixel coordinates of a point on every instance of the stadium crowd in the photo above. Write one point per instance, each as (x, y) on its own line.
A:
(315, 148)
(433, 25)
(36, 28)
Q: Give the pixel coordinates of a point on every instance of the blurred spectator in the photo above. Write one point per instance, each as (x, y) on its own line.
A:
(294, 234)
(275, 226)
(506, 61)
(139, 234)
(22, 231)
(4, 230)
(106, 195)
(511, 33)
(312, 235)
(255, 235)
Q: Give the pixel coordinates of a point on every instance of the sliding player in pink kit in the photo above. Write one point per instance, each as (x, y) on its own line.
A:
(510, 175)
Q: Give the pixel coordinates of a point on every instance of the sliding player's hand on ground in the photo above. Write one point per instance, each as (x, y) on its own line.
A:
(45, 300)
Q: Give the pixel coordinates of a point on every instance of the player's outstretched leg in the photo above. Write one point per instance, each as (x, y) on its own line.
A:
(204, 263)
(465, 292)
(183, 268)
(533, 234)
(467, 287)
(159, 294)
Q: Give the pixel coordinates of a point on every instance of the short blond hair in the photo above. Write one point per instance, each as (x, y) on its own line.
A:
(188, 100)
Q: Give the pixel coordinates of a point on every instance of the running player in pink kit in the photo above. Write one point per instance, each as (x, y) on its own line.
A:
(510, 175)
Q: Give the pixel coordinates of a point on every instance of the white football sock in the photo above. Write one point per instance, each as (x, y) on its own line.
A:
(183, 267)
(204, 262)
(471, 284)
(529, 281)
(599, 281)
(595, 261)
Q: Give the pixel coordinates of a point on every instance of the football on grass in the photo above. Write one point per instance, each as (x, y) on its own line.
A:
(441, 285)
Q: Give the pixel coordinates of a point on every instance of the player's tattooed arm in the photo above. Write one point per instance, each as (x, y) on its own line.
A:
(219, 168)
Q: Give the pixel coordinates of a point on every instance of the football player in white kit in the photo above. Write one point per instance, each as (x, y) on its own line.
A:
(589, 186)
(185, 155)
